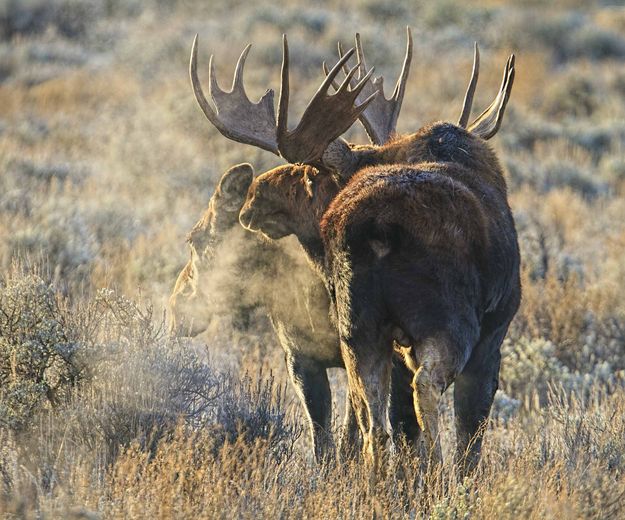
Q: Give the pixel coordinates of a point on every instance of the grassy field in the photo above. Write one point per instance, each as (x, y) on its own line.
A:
(105, 164)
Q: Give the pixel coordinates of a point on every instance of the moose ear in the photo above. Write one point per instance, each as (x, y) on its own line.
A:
(340, 157)
(236, 180)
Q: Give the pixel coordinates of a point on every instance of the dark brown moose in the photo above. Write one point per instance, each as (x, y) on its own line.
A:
(412, 235)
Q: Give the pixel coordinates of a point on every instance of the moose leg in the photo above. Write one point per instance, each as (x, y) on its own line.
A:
(434, 365)
(349, 441)
(474, 391)
(310, 380)
(369, 374)
(427, 394)
(402, 411)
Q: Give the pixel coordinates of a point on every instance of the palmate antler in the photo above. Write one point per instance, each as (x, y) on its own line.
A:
(326, 117)
(380, 117)
(234, 115)
(488, 122)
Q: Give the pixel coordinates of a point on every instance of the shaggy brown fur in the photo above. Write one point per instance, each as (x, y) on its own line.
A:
(298, 310)
(423, 253)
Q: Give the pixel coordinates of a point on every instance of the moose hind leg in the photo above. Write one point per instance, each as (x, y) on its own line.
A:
(311, 383)
(402, 412)
(434, 365)
(427, 394)
(369, 374)
(474, 392)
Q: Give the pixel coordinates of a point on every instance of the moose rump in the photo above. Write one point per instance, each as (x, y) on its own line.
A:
(406, 249)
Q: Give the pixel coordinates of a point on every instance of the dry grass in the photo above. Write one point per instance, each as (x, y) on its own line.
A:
(106, 162)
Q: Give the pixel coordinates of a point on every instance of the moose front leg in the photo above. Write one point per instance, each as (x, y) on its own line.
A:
(349, 440)
(311, 383)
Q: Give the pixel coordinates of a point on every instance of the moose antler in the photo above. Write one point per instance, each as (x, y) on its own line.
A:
(380, 117)
(234, 115)
(325, 118)
(488, 122)
(468, 98)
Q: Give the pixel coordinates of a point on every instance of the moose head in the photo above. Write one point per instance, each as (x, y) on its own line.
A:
(291, 199)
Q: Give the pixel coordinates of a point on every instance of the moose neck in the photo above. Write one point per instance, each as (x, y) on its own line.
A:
(313, 247)
(325, 186)
(348, 158)
(308, 232)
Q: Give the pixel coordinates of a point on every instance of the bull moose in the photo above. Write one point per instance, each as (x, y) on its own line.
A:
(412, 236)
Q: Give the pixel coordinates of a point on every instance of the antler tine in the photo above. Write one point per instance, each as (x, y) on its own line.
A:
(360, 55)
(362, 84)
(380, 118)
(283, 103)
(233, 114)
(468, 98)
(326, 116)
(349, 73)
(361, 66)
(488, 122)
(348, 78)
(400, 87)
(237, 81)
(323, 88)
(213, 86)
(341, 54)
